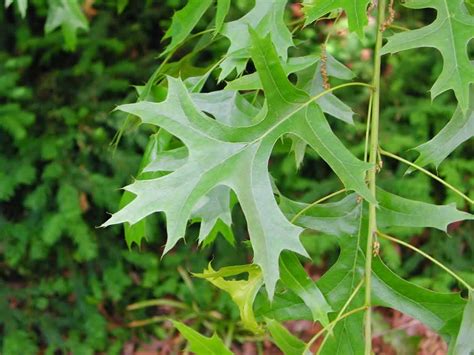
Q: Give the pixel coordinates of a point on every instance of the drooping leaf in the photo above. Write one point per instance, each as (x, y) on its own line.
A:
(243, 292)
(356, 11)
(294, 276)
(459, 129)
(184, 21)
(68, 15)
(200, 344)
(266, 17)
(449, 34)
(238, 157)
(463, 345)
(221, 12)
(398, 211)
(287, 342)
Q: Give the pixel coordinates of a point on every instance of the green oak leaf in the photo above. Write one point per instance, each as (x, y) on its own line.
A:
(242, 292)
(450, 34)
(458, 130)
(211, 209)
(402, 212)
(237, 157)
(294, 277)
(335, 218)
(442, 312)
(223, 7)
(200, 344)
(266, 17)
(184, 21)
(68, 15)
(308, 69)
(463, 345)
(287, 342)
(356, 11)
(311, 81)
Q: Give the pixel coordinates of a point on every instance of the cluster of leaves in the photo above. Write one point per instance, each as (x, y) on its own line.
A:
(64, 283)
(223, 157)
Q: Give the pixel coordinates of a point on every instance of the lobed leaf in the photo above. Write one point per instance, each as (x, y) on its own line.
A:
(450, 34)
(398, 211)
(459, 129)
(237, 157)
(266, 17)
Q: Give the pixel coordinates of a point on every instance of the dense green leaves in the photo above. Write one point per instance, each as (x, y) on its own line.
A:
(450, 34)
(266, 17)
(237, 157)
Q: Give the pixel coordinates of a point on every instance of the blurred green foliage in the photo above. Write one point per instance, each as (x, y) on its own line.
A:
(65, 284)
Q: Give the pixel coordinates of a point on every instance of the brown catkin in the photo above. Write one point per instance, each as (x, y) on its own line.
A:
(390, 18)
(371, 7)
(323, 69)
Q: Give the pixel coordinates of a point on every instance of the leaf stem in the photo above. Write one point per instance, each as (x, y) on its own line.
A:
(318, 334)
(430, 174)
(327, 197)
(327, 91)
(427, 256)
(367, 130)
(374, 144)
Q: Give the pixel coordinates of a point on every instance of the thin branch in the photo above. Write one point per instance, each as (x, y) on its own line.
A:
(429, 257)
(345, 315)
(340, 314)
(316, 203)
(433, 176)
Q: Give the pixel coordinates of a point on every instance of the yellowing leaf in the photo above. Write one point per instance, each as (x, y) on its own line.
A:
(243, 292)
